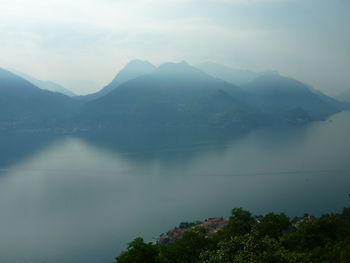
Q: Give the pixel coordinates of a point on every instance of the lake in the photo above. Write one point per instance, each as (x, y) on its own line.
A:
(83, 198)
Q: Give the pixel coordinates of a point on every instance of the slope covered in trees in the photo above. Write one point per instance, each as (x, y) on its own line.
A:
(273, 238)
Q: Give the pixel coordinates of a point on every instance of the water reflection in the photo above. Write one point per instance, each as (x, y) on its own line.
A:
(82, 198)
(14, 147)
(168, 145)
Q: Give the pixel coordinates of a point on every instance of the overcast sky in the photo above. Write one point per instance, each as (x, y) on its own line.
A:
(83, 43)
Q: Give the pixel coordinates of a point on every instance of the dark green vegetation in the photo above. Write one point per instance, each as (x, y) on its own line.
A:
(273, 238)
(172, 95)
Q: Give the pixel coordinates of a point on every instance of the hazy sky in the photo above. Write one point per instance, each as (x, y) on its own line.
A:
(83, 43)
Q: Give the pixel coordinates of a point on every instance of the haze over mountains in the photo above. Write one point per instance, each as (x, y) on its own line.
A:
(23, 104)
(174, 94)
(171, 95)
(235, 76)
(44, 84)
(133, 69)
(344, 96)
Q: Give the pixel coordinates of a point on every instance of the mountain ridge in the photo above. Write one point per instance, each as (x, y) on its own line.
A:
(172, 94)
(23, 104)
(44, 84)
(231, 75)
(131, 70)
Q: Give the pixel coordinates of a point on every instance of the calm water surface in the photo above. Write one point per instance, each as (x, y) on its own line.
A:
(81, 199)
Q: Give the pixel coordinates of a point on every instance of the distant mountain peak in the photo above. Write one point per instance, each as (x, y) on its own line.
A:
(232, 75)
(179, 69)
(273, 80)
(183, 62)
(7, 73)
(271, 72)
(174, 64)
(12, 81)
(133, 69)
(138, 62)
(44, 84)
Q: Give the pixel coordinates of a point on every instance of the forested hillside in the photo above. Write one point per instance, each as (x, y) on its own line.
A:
(273, 238)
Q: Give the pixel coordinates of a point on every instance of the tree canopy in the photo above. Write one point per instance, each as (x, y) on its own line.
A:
(272, 238)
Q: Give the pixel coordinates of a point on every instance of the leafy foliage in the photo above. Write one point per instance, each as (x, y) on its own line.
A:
(138, 252)
(273, 238)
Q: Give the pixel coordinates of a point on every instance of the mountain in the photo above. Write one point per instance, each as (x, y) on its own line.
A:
(278, 95)
(44, 84)
(281, 97)
(339, 104)
(132, 70)
(235, 76)
(173, 95)
(177, 94)
(23, 104)
(344, 96)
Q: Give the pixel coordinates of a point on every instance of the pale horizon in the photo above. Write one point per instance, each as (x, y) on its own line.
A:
(83, 44)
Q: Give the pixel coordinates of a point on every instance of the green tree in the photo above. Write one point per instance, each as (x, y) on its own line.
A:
(252, 248)
(269, 239)
(138, 252)
(272, 225)
(187, 249)
(241, 222)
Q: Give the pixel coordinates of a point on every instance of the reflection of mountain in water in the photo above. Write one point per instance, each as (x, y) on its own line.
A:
(133, 143)
(183, 145)
(169, 146)
(15, 147)
(166, 145)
